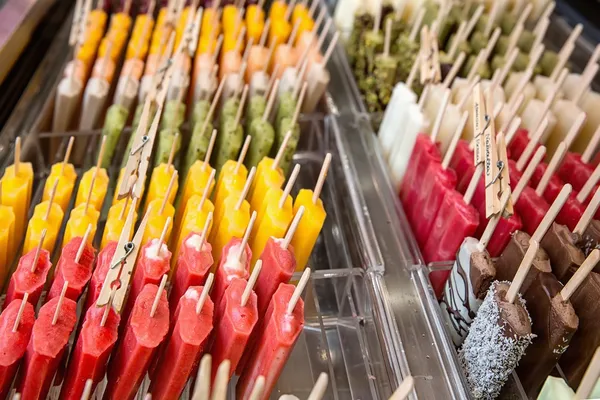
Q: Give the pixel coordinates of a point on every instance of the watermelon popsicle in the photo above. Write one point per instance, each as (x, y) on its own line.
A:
(281, 327)
(90, 354)
(49, 340)
(30, 275)
(16, 323)
(145, 330)
(235, 262)
(97, 280)
(74, 266)
(192, 324)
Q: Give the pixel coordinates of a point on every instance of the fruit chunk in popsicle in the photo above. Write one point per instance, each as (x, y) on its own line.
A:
(90, 354)
(74, 266)
(49, 340)
(15, 330)
(144, 333)
(29, 277)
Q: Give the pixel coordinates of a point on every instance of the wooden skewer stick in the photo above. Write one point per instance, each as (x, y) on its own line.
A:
(589, 378)
(584, 83)
(321, 178)
(298, 291)
(468, 196)
(455, 69)
(455, 138)
(163, 282)
(586, 190)
(578, 277)
(318, 391)
(108, 305)
(555, 208)
(168, 193)
(521, 274)
(204, 234)
(238, 116)
(83, 243)
(38, 251)
(404, 389)
(288, 187)
(493, 222)
(591, 147)
(61, 299)
(172, 152)
(67, 154)
(206, 190)
(271, 100)
(209, 151)
(440, 115)
(528, 173)
(220, 384)
(242, 155)
(292, 229)
(163, 235)
(245, 189)
(246, 236)
(17, 155)
(588, 214)
(87, 389)
(556, 160)
(20, 312)
(51, 200)
(205, 291)
(416, 28)
(535, 139)
(259, 386)
(251, 282)
(202, 387)
(213, 105)
(281, 150)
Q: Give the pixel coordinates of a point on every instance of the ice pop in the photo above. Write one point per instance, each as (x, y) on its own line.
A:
(268, 174)
(80, 219)
(115, 222)
(47, 219)
(103, 261)
(160, 216)
(74, 266)
(94, 181)
(159, 184)
(30, 275)
(65, 174)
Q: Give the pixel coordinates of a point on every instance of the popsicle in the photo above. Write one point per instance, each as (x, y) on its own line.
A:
(49, 340)
(47, 218)
(159, 184)
(193, 263)
(66, 176)
(232, 177)
(555, 388)
(268, 175)
(80, 219)
(91, 352)
(274, 216)
(103, 261)
(146, 329)
(192, 324)
(16, 324)
(94, 183)
(234, 263)
(576, 168)
(424, 152)
(30, 275)
(161, 214)
(17, 183)
(236, 317)
(276, 336)
(262, 132)
(74, 266)
(115, 222)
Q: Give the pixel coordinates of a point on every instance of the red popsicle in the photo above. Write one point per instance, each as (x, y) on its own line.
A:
(91, 352)
(14, 341)
(102, 266)
(30, 276)
(74, 266)
(191, 327)
(144, 332)
(532, 209)
(462, 164)
(234, 323)
(154, 261)
(518, 144)
(233, 264)
(277, 334)
(46, 347)
(574, 171)
(193, 265)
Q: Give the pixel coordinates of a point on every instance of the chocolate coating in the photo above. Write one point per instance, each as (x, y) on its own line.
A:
(559, 243)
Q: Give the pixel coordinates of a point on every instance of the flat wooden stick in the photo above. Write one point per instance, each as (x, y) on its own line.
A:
(318, 391)
(38, 251)
(163, 235)
(205, 291)
(574, 130)
(321, 178)
(591, 147)
(586, 190)
(204, 234)
(246, 237)
(206, 190)
(521, 274)
(584, 84)
(172, 152)
(455, 138)
(221, 380)
(440, 115)
(288, 187)
(20, 312)
(242, 155)
(556, 160)
(454, 70)
(298, 291)
(281, 150)
(493, 222)
(258, 388)
(87, 389)
(83, 243)
(535, 139)
(292, 229)
(211, 146)
(588, 214)
(528, 173)
(246, 188)
(108, 305)
(555, 208)
(251, 282)
(163, 282)
(330, 48)
(468, 196)
(202, 386)
(512, 129)
(578, 277)
(405, 388)
(61, 299)
(417, 25)
(168, 193)
(67, 154)
(238, 116)
(271, 100)
(51, 200)
(590, 377)
(17, 161)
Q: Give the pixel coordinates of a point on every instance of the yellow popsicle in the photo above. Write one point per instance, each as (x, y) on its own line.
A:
(161, 178)
(79, 220)
(7, 241)
(266, 177)
(17, 184)
(66, 184)
(120, 21)
(46, 216)
(232, 224)
(97, 19)
(279, 31)
(252, 17)
(115, 222)
(312, 222)
(278, 10)
(195, 183)
(98, 182)
(231, 181)
(157, 219)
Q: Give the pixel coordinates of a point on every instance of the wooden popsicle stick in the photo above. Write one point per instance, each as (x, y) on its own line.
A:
(556, 160)
(163, 235)
(288, 187)
(206, 190)
(593, 60)
(168, 193)
(321, 178)
(51, 200)
(472, 22)
(331, 47)
(240, 39)
(242, 155)
(217, 49)
(493, 222)
(246, 188)
(550, 216)
(204, 234)
(588, 214)
(590, 378)
(540, 32)
(512, 130)
(298, 291)
(127, 6)
(67, 154)
(211, 146)
(440, 115)
(417, 25)
(455, 42)
(404, 389)
(387, 38)
(513, 38)
(251, 282)
(91, 191)
(172, 152)
(299, 103)
(293, 34)
(468, 196)
(161, 287)
(575, 128)
(205, 291)
(591, 147)
(83, 243)
(246, 237)
(413, 72)
(292, 229)
(87, 389)
(455, 138)
(546, 13)
(259, 386)
(108, 305)
(563, 57)
(521, 274)
(214, 103)
(506, 68)
(535, 139)
(318, 391)
(202, 386)
(424, 95)
(589, 185)
(238, 116)
(61, 299)
(281, 150)
(20, 312)
(584, 84)
(271, 100)
(38, 250)
(221, 380)
(528, 173)
(472, 84)
(17, 161)
(578, 277)
(492, 18)
(454, 70)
